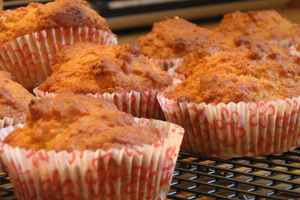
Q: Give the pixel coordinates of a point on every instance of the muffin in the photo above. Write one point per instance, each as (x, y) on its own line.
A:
(265, 25)
(83, 148)
(14, 100)
(32, 35)
(242, 102)
(172, 39)
(120, 72)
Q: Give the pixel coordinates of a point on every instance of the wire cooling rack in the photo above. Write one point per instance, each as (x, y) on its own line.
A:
(268, 177)
(200, 177)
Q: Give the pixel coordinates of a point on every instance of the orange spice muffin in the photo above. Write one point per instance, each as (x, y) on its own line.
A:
(69, 122)
(83, 148)
(37, 16)
(266, 25)
(89, 68)
(14, 99)
(242, 102)
(173, 39)
(251, 70)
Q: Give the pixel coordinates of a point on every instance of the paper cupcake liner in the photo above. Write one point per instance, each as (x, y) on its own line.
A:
(139, 172)
(166, 64)
(8, 121)
(28, 58)
(293, 50)
(139, 104)
(235, 129)
(287, 42)
(174, 74)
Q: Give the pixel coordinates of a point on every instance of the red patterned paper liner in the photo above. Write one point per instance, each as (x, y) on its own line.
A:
(287, 42)
(28, 58)
(167, 63)
(235, 130)
(139, 172)
(139, 104)
(174, 74)
(8, 121)
(293, 50)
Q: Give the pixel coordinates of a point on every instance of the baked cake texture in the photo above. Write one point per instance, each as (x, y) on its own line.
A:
(36, 17)
(14, 99)
(251, 70)
(173, 38)
(215, 46)
(84, 68)
(69, 122)
(266, 25)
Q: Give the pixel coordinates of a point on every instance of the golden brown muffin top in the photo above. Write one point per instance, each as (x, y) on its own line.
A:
(254, 71)
(37, 17)
(91, 68)
(215, 46)
(72, 122)
(173, 38)
(14, 98)
(266, 25)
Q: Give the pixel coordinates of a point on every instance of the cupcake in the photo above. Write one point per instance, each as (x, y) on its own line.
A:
(242, 102)
(32, 35)
(83, 148)
(171, 39)
(265, 25)
(119, 73)
(14, 100)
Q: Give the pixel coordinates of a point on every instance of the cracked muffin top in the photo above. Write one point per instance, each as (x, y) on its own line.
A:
(250, 70)
(84, 68)
(173, 38)
(14, 98)
(266, 25)
(72, 122)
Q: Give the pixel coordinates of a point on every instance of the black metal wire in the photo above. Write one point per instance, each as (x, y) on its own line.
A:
(268, 177)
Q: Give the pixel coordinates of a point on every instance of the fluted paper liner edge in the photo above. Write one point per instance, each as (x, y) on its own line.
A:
(235, 129)
(139, 104)
(167, 63)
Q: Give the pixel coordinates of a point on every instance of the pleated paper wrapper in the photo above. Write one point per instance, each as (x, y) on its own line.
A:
(287, 42)
(174, 74)
(28, 58)
(139, 104)
(167, 63)
(235, 129)
(135, 173)
(294, 51)
(10, 121)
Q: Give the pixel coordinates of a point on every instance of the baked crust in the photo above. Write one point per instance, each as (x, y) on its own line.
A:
(251, 70)
(84, 68)
(173, 38)
(14, 98)
(69, 122)
(266, 25)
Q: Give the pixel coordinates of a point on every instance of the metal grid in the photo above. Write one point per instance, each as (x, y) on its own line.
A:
(200, 177)
(6, 188)
(269, 177)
